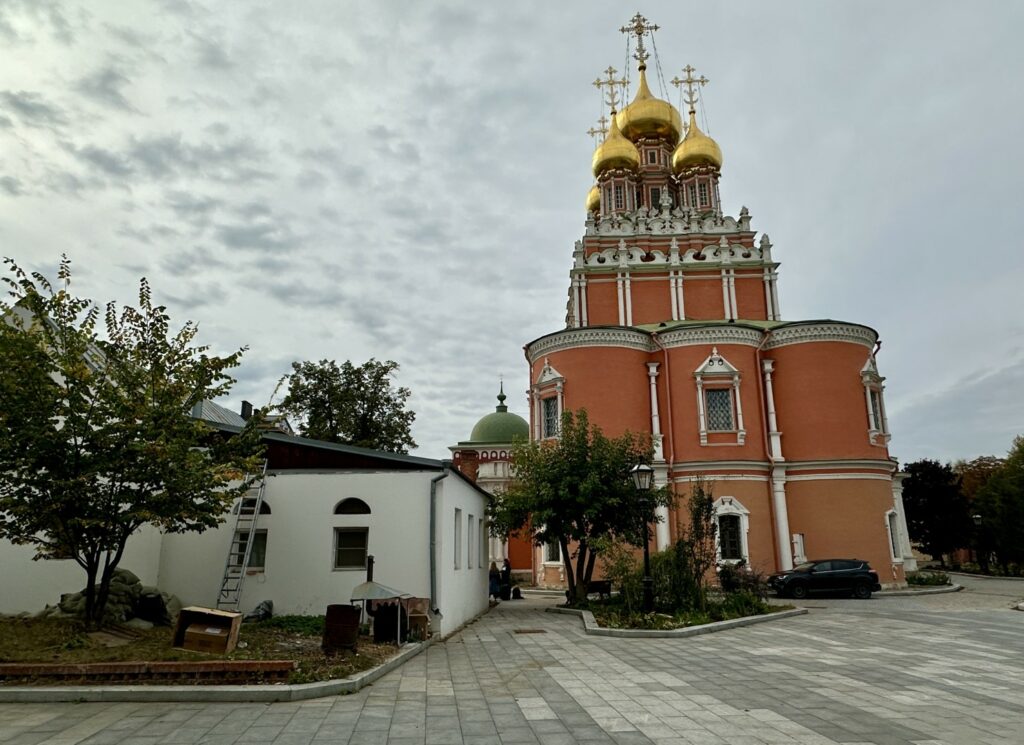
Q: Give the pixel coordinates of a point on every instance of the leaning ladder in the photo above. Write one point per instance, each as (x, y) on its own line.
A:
(242, 538)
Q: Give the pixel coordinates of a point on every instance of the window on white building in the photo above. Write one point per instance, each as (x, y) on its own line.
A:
(483, 544)
(350, 545)
(458, 539)
(470, 537)
(258, 554)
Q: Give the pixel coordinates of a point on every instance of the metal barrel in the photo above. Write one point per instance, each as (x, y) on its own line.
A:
(341, 627)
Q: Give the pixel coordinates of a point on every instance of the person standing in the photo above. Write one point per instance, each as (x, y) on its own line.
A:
(506, 580)
(494, 583)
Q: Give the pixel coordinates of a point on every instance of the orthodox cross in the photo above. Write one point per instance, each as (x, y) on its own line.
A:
(689, 81)
(639, 27)
(613, 87)
(600, 129)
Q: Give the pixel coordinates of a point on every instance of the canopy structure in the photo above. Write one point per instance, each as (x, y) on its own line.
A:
(376, 591)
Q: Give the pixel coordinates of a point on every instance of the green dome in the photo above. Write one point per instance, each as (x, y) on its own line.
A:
(501, 426)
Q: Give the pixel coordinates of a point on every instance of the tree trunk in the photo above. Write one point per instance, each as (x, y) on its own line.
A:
(582, 552)
(590, 567)
(91, 569)
(570, 578)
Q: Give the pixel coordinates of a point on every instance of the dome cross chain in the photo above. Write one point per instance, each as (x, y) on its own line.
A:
(639, 27)
(614, 85)
(690, 82)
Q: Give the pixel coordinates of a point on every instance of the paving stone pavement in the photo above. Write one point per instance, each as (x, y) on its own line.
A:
(935, 670)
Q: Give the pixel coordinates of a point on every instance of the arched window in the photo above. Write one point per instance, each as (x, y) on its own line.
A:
(733, 524)
(352, 506)
(248, 505)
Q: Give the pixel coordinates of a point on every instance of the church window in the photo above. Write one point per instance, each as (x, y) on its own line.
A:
(876, 409)
(693, 195)
(729, 537)
(655, 196)
(878, 426)
(552, 552)
(703, 194)
(719, 409)
(350, 546)
(652, 156)
(550, 409)
(894, 534)
(620, 197)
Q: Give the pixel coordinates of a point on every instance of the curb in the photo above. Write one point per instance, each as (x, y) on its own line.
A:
(915, 593)
(592, 629)
(212, 693)
(986, 576)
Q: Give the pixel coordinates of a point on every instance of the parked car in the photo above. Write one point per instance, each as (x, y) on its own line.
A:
(848, 576)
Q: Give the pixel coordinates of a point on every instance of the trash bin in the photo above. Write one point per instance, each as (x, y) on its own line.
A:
(341, 627)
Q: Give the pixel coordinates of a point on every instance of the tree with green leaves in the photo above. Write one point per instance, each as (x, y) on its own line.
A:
(1000, 505)
(349, 404)
(96, 437)
(576, 491)
(937, 513)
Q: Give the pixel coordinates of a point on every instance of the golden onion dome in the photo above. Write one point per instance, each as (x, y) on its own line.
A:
(648, 116)
(696, 149)
(594, 199)
(615, 152)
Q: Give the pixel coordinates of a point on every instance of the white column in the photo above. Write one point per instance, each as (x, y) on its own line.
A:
(628, 292)
(871, 410)
(909, 562)
(775, 296)
(881, 413)
(774, 436)
(536, 415)
(701, 419)
(726, 305)
(782, 538)
(682, 295)
(672, 294)
(583, 298)
(769, 306)
(734, 313)
(558, 388)
(652, 374)
(622, 304)
(576, 314)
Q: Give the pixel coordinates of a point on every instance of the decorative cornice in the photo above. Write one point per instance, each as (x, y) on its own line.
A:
(663, 221)
(802, 333)
(702, 335)
(589, 337)
(712, 255)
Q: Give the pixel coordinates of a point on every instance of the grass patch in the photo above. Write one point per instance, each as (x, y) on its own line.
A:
(66, 641)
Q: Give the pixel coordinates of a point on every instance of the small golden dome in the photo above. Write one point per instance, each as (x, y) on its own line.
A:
(594, 199)
(615, 152)
(695, 149)
(648, 116)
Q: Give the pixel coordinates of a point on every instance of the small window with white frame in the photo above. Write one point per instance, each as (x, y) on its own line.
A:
(718, 402)
(552, 553)
(458, 539)
(719, 408)
(733, 523)
(549, 406)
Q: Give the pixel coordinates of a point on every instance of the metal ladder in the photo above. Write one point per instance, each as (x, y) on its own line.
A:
(240, 548)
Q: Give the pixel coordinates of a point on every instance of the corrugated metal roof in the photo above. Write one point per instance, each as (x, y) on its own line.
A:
(211, 412)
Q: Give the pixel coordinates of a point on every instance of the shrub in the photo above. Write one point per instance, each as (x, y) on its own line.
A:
(733, 578)
(927, 578)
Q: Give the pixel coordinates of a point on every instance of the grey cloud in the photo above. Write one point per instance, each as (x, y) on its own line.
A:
(5, 121)
(44, 13)
(11, 185)
(32, 109)
(211, 54)
(188, 262)
(105, 88)
(109, 163)
(255, 236)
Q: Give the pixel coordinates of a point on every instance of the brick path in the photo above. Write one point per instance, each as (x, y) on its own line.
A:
(944, 669)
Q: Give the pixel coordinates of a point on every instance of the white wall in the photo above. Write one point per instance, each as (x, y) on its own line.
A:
(462, 593)
(27, 585)
(299, 575)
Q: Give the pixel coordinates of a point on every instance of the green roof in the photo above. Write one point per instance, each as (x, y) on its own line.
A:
(500, 427)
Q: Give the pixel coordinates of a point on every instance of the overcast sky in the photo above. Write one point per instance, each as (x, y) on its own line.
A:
(405, 181)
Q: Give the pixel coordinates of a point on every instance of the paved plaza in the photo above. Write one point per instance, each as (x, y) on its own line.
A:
(942, 669)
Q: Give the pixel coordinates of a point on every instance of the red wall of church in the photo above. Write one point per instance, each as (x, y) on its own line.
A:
(651, 300)
(702, 296)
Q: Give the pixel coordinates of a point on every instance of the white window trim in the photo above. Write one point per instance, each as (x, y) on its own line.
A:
(549, 380)
(894, 539)
(334, 547)
(732, 506)
(713, 372)
(872, 382)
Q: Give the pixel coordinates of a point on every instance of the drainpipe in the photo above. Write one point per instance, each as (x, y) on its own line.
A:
(433, 541)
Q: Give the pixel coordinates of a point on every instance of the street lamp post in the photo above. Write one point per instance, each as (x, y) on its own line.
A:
(643, 479)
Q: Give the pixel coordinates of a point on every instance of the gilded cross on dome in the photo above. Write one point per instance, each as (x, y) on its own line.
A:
(613, 85)
(689, 81)
(639, 27)
(600, 129)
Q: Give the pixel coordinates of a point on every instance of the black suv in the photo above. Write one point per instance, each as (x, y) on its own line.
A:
(850, 576)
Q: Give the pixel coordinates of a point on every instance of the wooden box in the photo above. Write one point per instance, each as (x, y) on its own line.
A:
(207, 630)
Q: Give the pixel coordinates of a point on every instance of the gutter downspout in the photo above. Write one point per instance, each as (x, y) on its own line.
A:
(433, 540)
